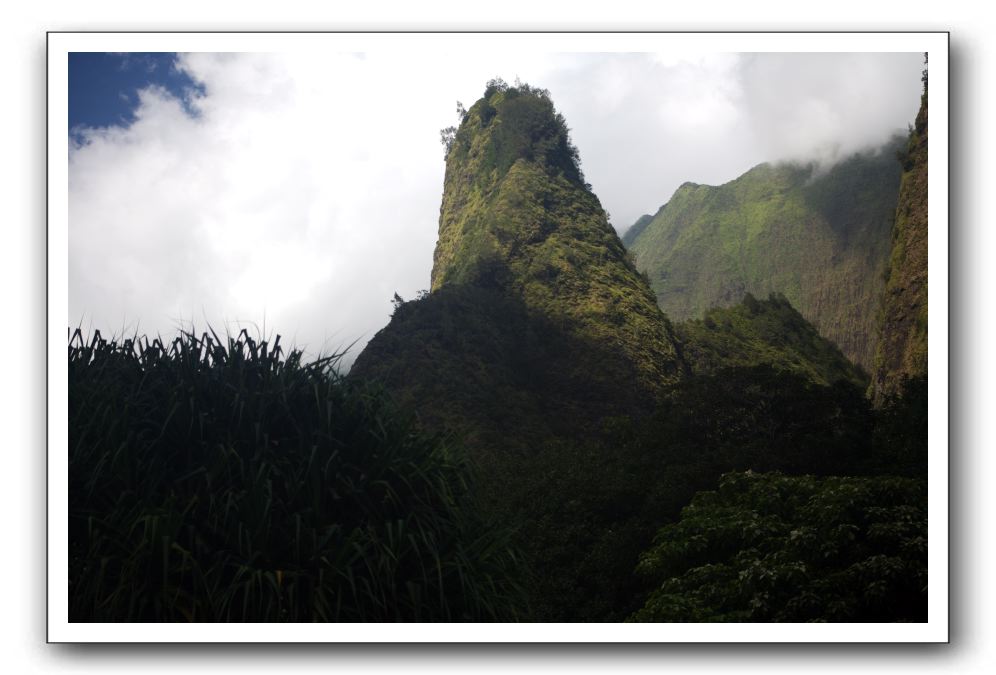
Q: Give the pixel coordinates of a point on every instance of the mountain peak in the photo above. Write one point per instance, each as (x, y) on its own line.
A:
(512, 123)
(535, 304)
(518, 218)
(511, 136)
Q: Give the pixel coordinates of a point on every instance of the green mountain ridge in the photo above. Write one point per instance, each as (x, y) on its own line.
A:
(630, 235)
(902, 347)
(821, 239)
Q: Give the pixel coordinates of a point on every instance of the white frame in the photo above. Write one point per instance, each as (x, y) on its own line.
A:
(61, 630)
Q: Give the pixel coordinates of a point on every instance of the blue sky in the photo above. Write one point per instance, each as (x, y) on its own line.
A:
(103, 88)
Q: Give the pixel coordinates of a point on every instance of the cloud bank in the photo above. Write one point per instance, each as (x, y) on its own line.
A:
(305, 191)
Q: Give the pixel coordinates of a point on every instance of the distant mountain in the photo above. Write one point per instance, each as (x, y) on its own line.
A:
(902, 346)
(764, 332)
(636, 228)
(820, 238)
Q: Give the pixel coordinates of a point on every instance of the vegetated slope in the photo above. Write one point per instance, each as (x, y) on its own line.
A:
(535, 305)
(768, 332)
(902, 347)
(821, 239)
(517, 216)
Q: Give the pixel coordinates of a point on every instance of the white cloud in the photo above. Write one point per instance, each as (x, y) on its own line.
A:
(824, 107)
(307, 188)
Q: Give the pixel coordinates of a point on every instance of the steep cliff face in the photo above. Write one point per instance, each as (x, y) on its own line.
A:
(517, 216)
(536, 317)
(821, 239)
(902, 346)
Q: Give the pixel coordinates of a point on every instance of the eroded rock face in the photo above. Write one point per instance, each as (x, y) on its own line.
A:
(902, 346)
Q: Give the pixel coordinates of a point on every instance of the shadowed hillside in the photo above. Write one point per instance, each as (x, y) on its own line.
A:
(768, 332)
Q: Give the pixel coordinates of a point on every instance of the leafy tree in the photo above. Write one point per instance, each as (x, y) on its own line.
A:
(770, 547)
(495, 86)
(446, 137)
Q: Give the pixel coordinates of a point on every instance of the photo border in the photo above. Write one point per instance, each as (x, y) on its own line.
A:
(60, 630)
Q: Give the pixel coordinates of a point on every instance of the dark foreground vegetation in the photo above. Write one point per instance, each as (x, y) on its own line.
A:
(588, 510)
(222, 481)
(771, 547)
(218, 480)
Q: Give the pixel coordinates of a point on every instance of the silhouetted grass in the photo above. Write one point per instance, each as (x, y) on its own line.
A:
(218, 480)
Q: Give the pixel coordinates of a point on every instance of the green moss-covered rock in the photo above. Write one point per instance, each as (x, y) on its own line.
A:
(822, 240)
(518, 217)
(764, 332)
(902, 346)
(530, 286)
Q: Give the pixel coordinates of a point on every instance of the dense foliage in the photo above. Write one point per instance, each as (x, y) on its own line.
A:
(586, 473)
(819, 238)
(770, 547)
(759, 332)
(586, 505)
(224, 482)
(900, 439)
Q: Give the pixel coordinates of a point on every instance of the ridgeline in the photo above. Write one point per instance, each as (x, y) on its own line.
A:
(820, 239)
(902, 346)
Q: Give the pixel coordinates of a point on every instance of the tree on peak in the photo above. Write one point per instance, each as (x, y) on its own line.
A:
(510, 123)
